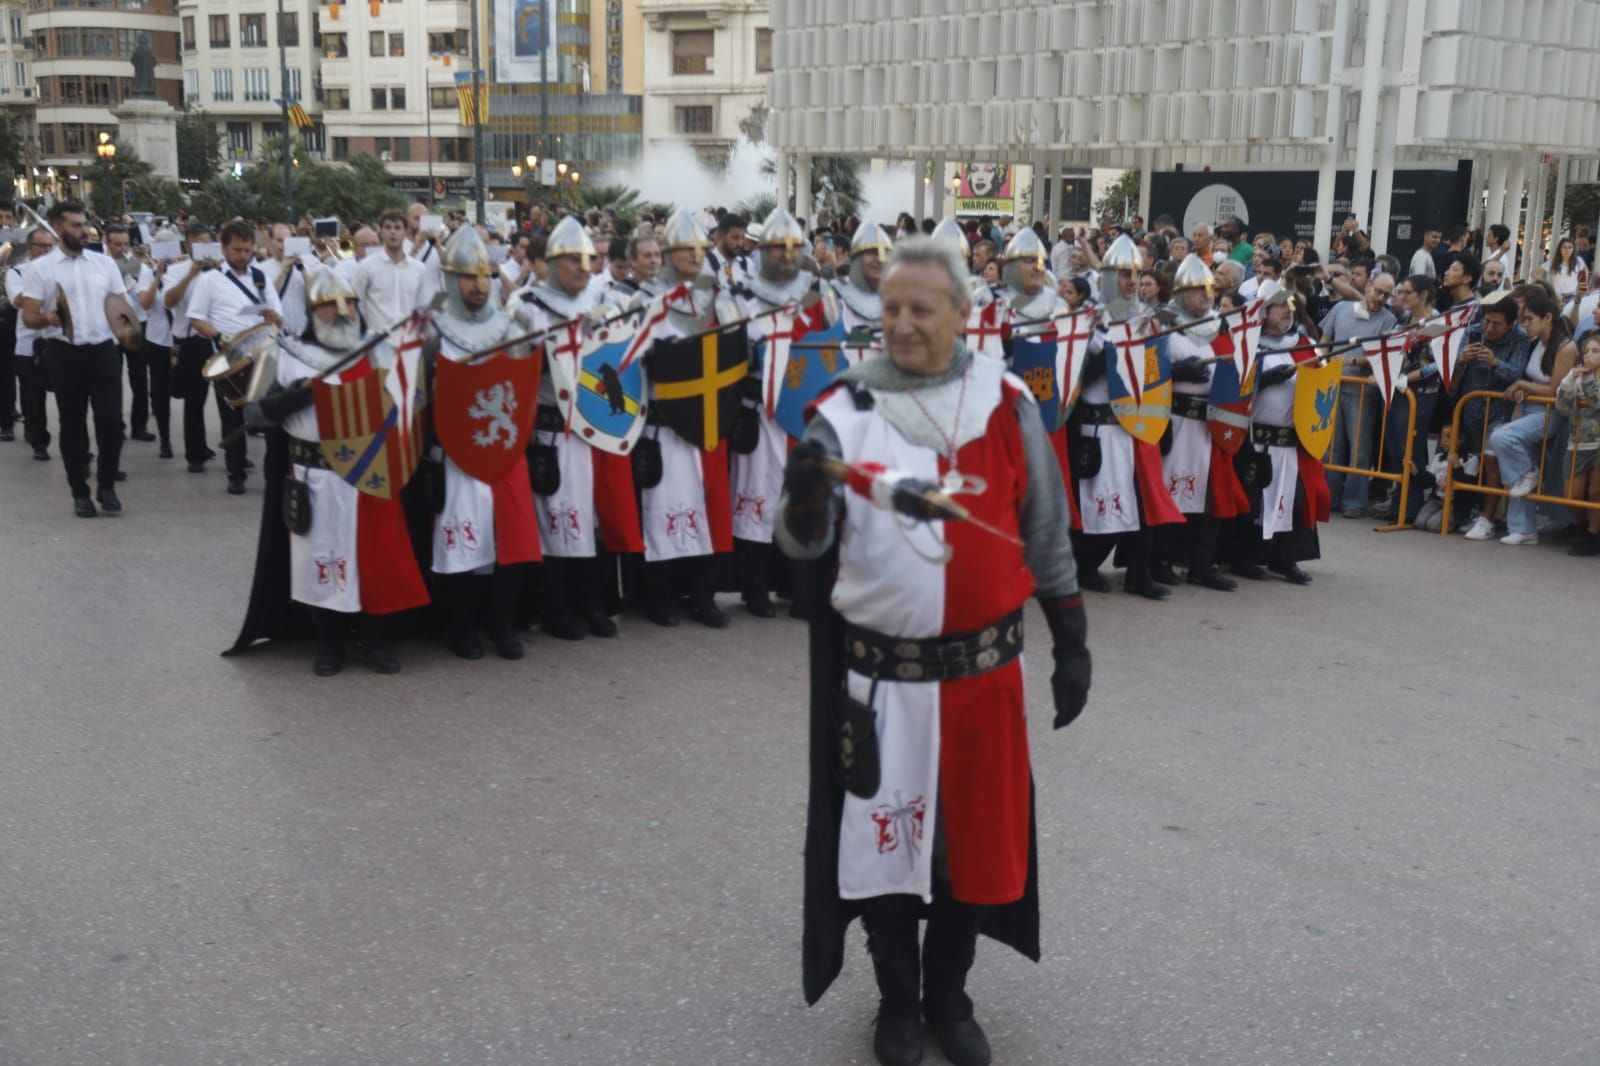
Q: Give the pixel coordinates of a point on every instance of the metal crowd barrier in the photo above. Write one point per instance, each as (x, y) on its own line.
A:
(1452, 485)
(1370, 391)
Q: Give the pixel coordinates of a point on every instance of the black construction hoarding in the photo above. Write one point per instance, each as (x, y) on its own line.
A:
(1284, 202)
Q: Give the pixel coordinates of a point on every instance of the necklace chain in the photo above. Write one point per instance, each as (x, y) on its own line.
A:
(955, 428)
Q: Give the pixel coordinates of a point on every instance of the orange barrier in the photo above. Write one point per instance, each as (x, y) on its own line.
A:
(1452, 485)
(1404, 476)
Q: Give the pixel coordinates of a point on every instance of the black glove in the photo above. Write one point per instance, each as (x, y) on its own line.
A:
(910, 499)
(806, 485)
(1190, 370)
(1069, 629)
(1277, 375)
(277, 405)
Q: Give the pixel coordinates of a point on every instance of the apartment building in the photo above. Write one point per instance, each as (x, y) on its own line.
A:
(705, 67)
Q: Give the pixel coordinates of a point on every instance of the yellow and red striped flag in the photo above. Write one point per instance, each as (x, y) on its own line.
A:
(298, 116)
(464, 95)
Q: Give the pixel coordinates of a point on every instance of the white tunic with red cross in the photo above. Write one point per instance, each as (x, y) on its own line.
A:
(958, 748)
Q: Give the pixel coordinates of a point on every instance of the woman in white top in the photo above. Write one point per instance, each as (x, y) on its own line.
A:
(1566, 272)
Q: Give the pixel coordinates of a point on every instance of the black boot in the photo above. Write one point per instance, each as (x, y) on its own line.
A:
(330, 642)
(1212, 578)
(752, 557)
(892, 943)
(701, 574)
(591, 577)
(897, 1038)
(455, 597)
(375, 643)
(658, 603)
(1589, 545)
(555, 613)
(505, 588)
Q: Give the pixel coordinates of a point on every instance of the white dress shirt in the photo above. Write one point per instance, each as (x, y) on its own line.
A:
(177, 270)
(291, 293)
(389, 289)
(158, 320)
(14, 285)
(223, 305)
(86, 279)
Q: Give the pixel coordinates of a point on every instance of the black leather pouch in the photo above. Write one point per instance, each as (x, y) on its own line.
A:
(856, 736)
(646, 459)
(296, 506)
(544, 469)
(1084, 455)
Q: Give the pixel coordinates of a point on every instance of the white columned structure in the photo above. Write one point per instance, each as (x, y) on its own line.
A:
(1559, 206)
(1534, 217)
(1322, 229)
(1513, 214)
(919, 188)
(1053, 214)
(938, 186)
(1499, 176)
(1038, 165)
(1367, 126)
(1383, 181)
(802, 188)
(1147, 161)
(782, 161)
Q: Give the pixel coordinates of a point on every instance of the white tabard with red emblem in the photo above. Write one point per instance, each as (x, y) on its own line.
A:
(323, 563)
(958, 748)
(676, 521)
(1108, 502)
(1187, 464)
(1274, 406)
(463, 532)
(757, 478)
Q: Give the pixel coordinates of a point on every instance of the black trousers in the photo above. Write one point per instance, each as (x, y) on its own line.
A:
(1133, 552)
(85, 376)
(8, 369)
(33, 385)
(149, 383)
(938, 980)
(196, 391)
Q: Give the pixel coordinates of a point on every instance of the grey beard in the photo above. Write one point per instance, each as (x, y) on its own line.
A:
(340, 335)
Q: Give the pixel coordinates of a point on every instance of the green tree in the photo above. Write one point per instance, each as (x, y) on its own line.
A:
(357, 190)
(13, 148)
(1120, 198)
(199, 146)
(224, 197)
(106, 182)
(621, 200)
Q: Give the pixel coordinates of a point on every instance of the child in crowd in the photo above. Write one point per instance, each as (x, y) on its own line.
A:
(1578, 397)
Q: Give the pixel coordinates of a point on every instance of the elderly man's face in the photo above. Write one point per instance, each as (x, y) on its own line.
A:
(686, 262)
(920, 320)
(571, 272)
(1078, 260)
(1378, 292)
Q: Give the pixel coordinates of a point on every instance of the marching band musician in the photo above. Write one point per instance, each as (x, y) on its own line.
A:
(349, 554)
(223, 302)
(148, 378)
(287, 276)
(584, 496)
(924, 809)
(30, 360)
(189, 350)
(686, 516)
(1200, 479)
(758, 465)
(479, 529)
(81, 298)
(1120, 499)
(159, 346)
(1287, 505)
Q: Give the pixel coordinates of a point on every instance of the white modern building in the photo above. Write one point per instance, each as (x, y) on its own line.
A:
(232, 67)
(706, 64)
(1508, 87)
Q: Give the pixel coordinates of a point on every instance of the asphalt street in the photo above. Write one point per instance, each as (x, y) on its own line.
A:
(1354, 823)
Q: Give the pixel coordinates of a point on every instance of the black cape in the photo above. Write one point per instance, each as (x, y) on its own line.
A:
(827, 917)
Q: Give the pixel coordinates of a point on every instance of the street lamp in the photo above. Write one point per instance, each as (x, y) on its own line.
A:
(106, 150)
(516, 170)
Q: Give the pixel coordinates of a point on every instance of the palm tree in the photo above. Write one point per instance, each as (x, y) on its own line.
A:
(620, 200)
(835, 184)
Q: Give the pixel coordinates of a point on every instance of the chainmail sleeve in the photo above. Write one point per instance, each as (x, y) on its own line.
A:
(1045, 515)
(820, 431)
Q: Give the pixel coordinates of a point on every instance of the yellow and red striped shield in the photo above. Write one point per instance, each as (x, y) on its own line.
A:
(362, 437)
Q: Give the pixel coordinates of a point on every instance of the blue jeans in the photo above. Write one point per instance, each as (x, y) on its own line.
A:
(1395, 444)
(1352, 433)
(1516, 445)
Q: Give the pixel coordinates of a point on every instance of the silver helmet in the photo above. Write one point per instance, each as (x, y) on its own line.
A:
(680, 232)
(1024, 247)
(569, 238)
(465, 253)
(949, 232)
(1193, 273)
(869, 237)
(328, 286)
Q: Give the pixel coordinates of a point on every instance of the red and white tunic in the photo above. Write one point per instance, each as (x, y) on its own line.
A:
(483, 525)
(757, 477)
(689, 513)
(956, 747)
(357, 554)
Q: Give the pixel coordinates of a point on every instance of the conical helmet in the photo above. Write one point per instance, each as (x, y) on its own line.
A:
(569, 238)
(949, 232)
(1192, 273)
(682, 231)
(782, 228)
(327, 286)
(870, 237)
(465, 253)
(1122, 255)
(1025, 245)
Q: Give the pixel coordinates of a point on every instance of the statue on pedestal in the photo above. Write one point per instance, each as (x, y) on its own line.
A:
(144, 69)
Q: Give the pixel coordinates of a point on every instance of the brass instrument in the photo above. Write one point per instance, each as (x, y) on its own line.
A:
(340, 248)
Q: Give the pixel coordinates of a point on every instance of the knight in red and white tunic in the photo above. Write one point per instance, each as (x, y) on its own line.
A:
(480, 530)
(919, 656)
(585, 497)
(1199, 476)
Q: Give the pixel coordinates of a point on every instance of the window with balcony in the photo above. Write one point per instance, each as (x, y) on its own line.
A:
(219, 31)
(764, 50)
(41, 42)
(335, 46)
(341, 149)
(239, 140)
(694, 119)
(450, 42)
(191, 86)
(128, 40)
(72, 140)
(69, 90)
(46, 94)
(692, 51)
(21, 72)
(47, 140)
(101, 91)
(188, 33)
(222, 86)
(336, 99)
(293, 91)
(253, 31)
(257, 84)
(16, 28)
(289, 29)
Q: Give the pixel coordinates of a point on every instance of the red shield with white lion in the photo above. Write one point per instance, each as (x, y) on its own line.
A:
(483, 411)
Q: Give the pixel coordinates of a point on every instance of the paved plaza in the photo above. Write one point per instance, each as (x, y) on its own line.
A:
(1355, 823)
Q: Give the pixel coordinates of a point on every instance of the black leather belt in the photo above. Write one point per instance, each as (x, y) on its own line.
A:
(549, 419)
(1096, 414)
(883, 657)
(1273, 436)
(1185, 406)
(307, 453)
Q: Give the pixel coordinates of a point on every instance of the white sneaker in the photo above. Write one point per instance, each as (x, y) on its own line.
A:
(1482, 529)
(1520, 538)
(1524, 484)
